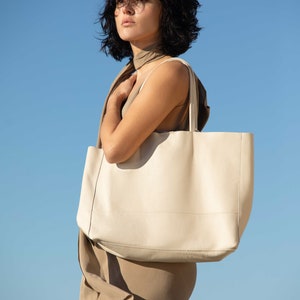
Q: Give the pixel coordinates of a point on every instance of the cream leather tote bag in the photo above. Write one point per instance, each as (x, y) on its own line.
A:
(184, 196)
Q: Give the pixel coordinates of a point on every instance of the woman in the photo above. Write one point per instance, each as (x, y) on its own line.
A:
(150, 94)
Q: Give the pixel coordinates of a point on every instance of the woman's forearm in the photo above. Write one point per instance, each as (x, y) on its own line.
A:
(111, 144)
(111, 120)
(112, 117)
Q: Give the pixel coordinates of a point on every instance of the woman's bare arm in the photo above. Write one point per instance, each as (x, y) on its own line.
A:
(165, 89)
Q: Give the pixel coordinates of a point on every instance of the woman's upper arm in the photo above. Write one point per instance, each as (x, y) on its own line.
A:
(166, 88)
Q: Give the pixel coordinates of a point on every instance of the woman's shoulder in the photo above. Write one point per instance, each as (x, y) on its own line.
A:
(173, 64)
(171, 70)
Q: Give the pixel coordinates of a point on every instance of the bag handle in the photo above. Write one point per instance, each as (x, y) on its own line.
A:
(193, 93)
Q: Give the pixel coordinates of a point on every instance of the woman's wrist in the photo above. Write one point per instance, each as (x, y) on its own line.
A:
(114, 103)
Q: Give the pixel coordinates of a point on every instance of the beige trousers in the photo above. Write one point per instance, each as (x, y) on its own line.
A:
(107, 277)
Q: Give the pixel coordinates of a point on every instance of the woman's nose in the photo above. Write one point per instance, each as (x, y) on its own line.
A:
(128, 9)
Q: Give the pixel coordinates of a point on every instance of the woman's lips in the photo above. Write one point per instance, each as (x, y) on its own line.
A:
(127, 22)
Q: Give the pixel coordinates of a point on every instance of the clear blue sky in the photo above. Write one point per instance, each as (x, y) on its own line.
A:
(52, 84)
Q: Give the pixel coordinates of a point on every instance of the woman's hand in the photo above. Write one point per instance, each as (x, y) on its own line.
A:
(121, 93)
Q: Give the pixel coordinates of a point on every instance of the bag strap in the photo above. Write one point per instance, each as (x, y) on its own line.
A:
(193, 98)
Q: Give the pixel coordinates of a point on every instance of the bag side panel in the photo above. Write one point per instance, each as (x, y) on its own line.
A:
(91, 172)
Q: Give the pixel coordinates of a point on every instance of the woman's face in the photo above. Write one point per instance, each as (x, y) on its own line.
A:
(138, 21)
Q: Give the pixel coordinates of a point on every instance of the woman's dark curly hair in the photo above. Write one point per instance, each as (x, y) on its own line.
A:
(179, 28)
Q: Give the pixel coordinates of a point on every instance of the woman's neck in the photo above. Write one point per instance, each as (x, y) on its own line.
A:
(146, 55)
